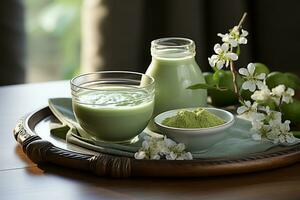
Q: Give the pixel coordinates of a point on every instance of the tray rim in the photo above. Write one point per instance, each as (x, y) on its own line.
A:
(43, 151)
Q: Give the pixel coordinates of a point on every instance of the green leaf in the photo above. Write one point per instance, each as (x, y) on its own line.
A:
(296, 134)
(216, 77)
(200, 86)
(205, 86)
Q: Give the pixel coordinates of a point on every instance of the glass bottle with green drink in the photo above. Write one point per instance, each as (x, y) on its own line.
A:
(174, 68)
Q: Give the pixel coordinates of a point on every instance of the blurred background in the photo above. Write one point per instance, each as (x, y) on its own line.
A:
(47, 40)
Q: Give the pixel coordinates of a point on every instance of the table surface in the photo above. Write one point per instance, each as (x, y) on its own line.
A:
(22, 179)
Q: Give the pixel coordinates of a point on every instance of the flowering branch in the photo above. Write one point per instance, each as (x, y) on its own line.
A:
(266, 123)
(232, 68)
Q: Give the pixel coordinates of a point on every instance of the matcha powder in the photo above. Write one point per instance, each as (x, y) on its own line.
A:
(199, 118)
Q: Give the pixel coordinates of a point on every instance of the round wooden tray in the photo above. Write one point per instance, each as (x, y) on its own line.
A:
(33, 133)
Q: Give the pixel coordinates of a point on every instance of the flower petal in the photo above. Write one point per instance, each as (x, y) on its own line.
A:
(260, 85)
(249, 85)
(278, 90)
(140, 155)
(232, 56)
(290, 92)
(248, 103)
(290, 138)
(256, 136)
(244, 71)
(217, 48)
(221, 35)
(244, 33)
(225, 47)
(213, 60)
(242, 40)
(261, 76)
(241, 110)
(251, 68)
(220, 64)
(233, 42)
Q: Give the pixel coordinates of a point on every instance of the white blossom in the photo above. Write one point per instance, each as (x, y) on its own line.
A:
(272, 128)
(185, 156)
(273, 117)
(261, 95)
(249, 110)
(278, 90)
(159, 148)
(222, 57)
(140, 155)
(252, 79)
(256, 136)
(256, 125)
(285, 127)
(234, 37)
(281, 94)
(274, 135)
(290, 138)
(280, 133)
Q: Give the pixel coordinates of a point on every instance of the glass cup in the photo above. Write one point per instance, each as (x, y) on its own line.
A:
(113, 106)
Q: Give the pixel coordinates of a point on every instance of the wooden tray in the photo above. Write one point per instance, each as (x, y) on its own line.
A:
(33, 133)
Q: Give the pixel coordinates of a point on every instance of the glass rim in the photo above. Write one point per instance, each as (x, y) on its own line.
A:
(73, 84)
(156, 42)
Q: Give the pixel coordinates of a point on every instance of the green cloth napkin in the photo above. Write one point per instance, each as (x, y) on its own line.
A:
(238, 141)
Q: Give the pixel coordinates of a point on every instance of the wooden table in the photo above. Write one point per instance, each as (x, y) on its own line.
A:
(22, 179)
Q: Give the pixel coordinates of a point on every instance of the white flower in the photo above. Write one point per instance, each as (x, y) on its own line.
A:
(140, 155)
(270, 127)
(290, 138)
(234, 37)
(222, 57)
(171, 156)
(259, 128)
(256, 125)
(278, 90)
(287, 96)
(261, 95)
(249, 110)
(169, 143)
(273, 117)
(256, 136)
(279, 133)
(252, 79)
(281, 94)
(185, 156)
(259, 125)
(158, 148)
(155, 157)
(285, 127)
(285, 136)
(273, 135)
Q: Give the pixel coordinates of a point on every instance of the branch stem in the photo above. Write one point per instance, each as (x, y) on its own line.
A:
(232, 67)
(234, 80)
(242, 20)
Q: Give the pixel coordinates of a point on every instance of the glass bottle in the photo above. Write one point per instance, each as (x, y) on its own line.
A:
(174, 68)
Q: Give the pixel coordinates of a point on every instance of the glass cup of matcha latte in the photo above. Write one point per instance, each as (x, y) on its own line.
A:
(113, 106)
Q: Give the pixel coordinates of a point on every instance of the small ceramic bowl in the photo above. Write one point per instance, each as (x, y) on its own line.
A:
(196, 139)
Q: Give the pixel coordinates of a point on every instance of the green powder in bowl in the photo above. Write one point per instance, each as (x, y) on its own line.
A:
(199, 118)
